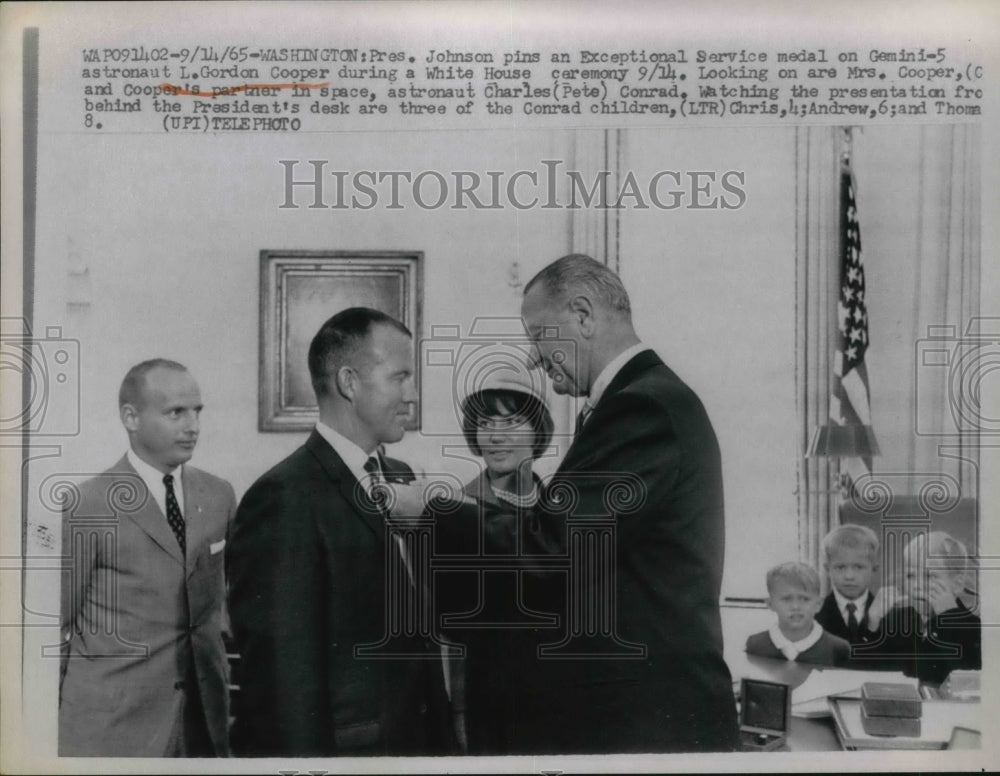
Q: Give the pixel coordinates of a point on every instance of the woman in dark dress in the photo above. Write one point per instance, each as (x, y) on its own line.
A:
(508, 425)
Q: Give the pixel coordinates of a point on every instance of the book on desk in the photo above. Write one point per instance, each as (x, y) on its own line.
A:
(809, 698)
(939, 721)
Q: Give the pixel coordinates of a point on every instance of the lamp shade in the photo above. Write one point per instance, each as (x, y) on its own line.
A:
(833, 441)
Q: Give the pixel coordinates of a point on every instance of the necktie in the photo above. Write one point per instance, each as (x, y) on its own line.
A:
(582, 418)
(377, 494)
(174, 517)
(380, 497)
(852, 622)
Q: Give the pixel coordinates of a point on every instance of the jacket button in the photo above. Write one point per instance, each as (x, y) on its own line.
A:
(179, 684)
(423, 708)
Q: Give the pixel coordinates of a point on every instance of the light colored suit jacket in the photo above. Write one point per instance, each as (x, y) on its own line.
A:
(135, 613)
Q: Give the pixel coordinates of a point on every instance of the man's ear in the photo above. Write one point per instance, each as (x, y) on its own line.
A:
(346, 382)
(130, 417)
(583, 312)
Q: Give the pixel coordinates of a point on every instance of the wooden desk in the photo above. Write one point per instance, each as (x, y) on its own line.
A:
(804, 735)
(813, 735)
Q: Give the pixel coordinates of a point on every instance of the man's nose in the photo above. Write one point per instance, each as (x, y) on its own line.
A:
(410, 394)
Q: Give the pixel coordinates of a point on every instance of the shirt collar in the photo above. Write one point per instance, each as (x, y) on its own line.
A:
(859, 603)
(792, 649)
(153, 479)
(353, 456)
(608, 374)
(150, 474)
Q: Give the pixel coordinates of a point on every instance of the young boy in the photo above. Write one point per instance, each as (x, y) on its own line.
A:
(793, 594)
(923, 629)
(851, 559)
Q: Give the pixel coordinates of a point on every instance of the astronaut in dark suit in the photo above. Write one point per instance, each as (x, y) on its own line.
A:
(313, 573)
(646, 674)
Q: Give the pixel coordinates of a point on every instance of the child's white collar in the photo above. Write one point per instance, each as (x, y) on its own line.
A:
(792, 649)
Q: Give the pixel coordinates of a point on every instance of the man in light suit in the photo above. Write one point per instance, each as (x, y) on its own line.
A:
(314, 579)
(144, 670)
(657, 682)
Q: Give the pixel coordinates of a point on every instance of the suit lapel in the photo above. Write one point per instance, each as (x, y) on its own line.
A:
(150, 517)
(196, 512)
(863, 626)
(335, 468)
(832, 610)
(642, 361)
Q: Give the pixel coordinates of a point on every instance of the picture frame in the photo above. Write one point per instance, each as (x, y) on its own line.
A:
(299, 290)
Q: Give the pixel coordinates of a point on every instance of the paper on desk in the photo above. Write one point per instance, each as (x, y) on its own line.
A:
(809, 698)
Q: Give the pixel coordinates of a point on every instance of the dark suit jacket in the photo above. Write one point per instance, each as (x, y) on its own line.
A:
(832, 620)
(138, 613)
(953, 640)
(307, 586)
(648, 454)
(830, 650)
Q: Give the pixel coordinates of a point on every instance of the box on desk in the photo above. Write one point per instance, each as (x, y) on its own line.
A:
(875, 725)
(888, 699)
(765, 709)
(891, 709)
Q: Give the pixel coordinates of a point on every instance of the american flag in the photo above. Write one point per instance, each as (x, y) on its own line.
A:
(850, 403)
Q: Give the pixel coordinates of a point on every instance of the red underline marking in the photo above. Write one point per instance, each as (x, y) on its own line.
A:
(177, 91)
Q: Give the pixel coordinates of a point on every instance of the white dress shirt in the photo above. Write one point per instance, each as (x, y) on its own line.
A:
(353, 456)
(859, 605)
(607, 375)
(153, 478)
(355, 459)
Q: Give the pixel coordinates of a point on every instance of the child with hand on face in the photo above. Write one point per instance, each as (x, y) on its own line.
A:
(793, 595)
(923, 629)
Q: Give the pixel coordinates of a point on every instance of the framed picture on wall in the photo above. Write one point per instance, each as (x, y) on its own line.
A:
(299, 290)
